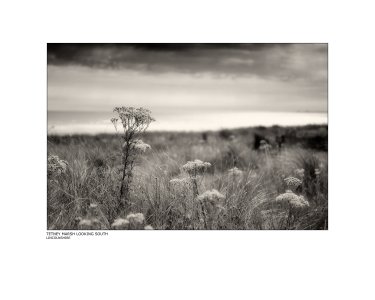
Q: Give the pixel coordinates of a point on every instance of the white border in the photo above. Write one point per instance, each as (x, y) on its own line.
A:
(188, 265)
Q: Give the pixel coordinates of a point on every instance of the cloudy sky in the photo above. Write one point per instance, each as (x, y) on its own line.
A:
(189, 78)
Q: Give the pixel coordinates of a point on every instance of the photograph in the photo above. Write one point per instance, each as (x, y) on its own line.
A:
(187, 136)
(187, 150)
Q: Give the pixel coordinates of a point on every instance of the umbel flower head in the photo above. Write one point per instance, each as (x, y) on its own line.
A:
(235, 172)
(120, 223)
(138, 146)
(132, 221)
(292, 199)
(56, 166)
(213, 197)
(300, 203)
(87, 224)
(196, 167)
(132, 118)
(287, 196)
(292, 182)
(137, 218)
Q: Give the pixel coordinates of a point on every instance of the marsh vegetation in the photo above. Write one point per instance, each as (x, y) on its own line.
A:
(248, 178)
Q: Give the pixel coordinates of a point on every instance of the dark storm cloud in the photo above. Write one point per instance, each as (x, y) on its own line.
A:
(287, 62)
(188, 77)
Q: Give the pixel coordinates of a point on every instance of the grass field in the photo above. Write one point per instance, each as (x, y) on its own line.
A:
(89, 188)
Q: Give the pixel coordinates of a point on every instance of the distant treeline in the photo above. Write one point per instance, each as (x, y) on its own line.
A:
(308, 136)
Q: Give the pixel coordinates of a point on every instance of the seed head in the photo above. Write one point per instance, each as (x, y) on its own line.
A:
(120, 223)
(292, 182)
(86, 224)
(132, 118)
(212, 197)
(299, 202)
(287, 197)
(138, 146)
(196, 167)
(293, 199)
(137, 218)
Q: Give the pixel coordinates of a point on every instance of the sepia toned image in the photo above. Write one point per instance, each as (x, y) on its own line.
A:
(187, 136)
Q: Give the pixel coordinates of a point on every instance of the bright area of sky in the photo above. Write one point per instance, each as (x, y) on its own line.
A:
(187, 86)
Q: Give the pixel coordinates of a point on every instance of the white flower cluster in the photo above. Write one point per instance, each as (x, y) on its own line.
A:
(212, 197)
(287, 196)
(120, 223)
(138, 146)
(292, 182)
(196, 167)
(137, 218)
(235, 172)
(131, 116)
(87, 224)
(56, 166)
(132, 221)
(293, 199)
(300, 203)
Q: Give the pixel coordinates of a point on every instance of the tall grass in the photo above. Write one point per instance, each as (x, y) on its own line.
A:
(92, 181)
